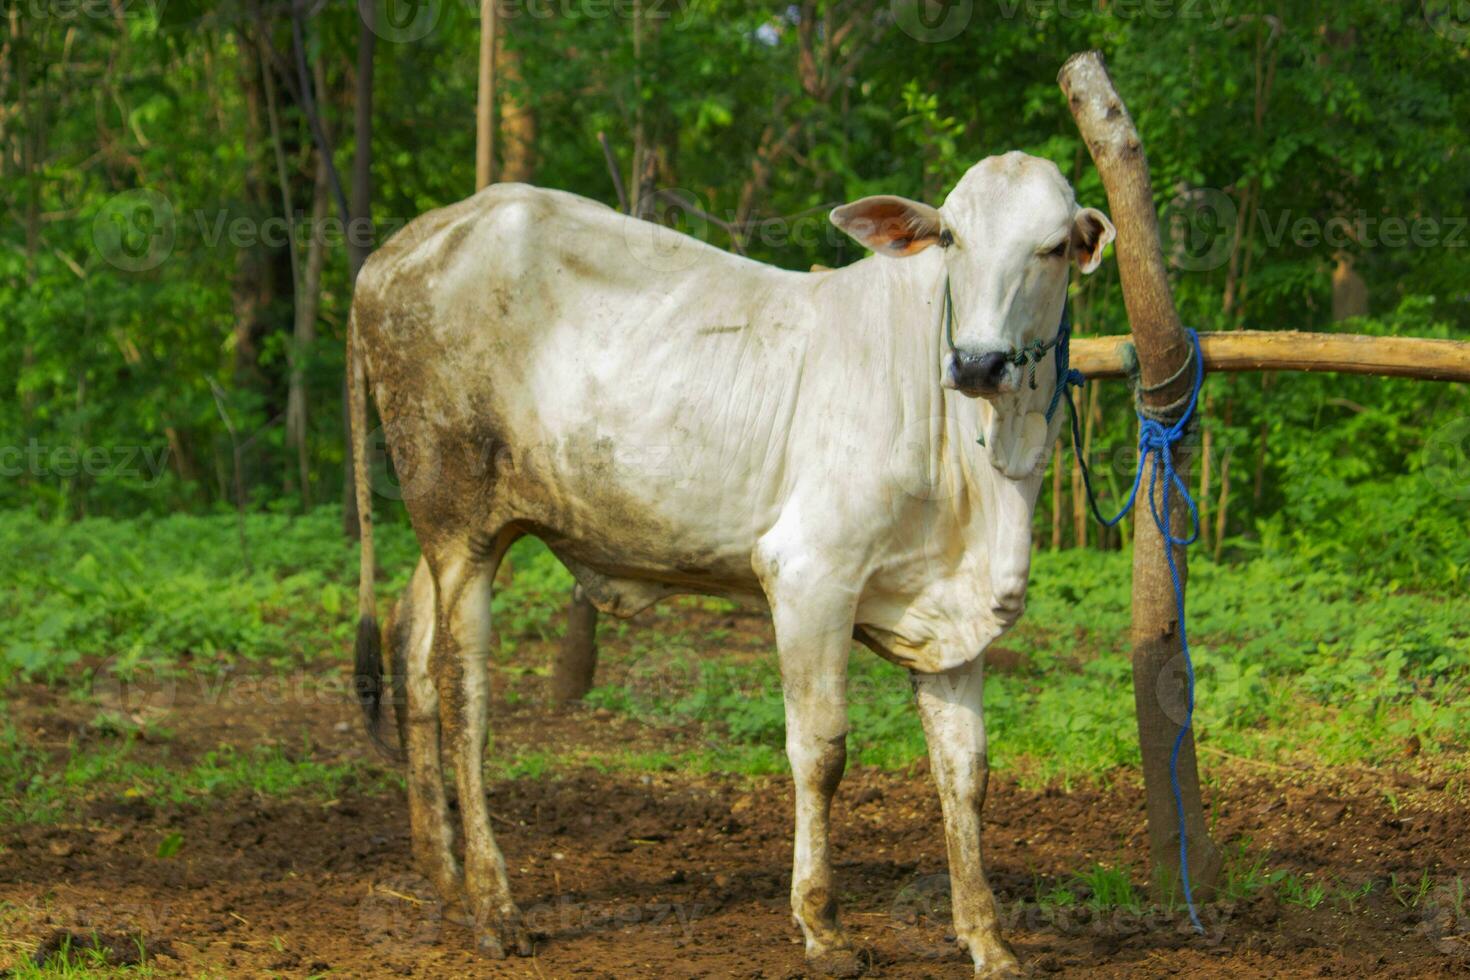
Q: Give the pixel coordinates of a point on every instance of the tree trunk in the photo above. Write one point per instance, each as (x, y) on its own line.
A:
(30, 152)
(517, 118)
(641, 197)
(1349, 290)
(283, 186)
(1163, 350)
(253, 290)
(485, 109)
(304, 336)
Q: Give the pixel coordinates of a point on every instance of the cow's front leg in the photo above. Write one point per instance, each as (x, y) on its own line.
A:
(813, 635)
(954, 725)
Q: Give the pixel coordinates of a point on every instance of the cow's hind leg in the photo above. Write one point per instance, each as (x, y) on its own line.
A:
(813, 634)
(419, 723)
(460, 659)
(954, 725)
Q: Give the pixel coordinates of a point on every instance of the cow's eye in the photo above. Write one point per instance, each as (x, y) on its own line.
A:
(1060, 252)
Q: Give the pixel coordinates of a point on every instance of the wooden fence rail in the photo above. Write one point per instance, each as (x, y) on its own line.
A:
(1255, 350)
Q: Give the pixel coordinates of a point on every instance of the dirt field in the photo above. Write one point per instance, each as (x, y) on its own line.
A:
(668, 874)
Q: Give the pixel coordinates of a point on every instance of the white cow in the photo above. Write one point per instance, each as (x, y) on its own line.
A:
(671, 418)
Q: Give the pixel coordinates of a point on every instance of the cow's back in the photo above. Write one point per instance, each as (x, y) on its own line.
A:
(624, 391)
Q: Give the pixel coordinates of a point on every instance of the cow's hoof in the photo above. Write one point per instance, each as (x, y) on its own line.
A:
(1000, 964)
(836, 963)
(503, 936)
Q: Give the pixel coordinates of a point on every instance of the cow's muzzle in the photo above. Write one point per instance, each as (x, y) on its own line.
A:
(979, 375)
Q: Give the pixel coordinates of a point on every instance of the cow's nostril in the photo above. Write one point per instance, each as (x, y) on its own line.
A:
(991, 369)
(975, 373)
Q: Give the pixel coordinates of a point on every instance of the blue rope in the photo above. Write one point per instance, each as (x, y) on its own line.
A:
(1156, 441)
(1066, 377)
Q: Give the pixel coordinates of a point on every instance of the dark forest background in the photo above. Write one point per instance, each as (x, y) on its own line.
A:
(177, 251)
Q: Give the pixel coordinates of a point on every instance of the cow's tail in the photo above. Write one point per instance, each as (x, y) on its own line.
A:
(368, 670)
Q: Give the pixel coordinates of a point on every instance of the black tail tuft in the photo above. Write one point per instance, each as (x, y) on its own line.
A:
(368, 682)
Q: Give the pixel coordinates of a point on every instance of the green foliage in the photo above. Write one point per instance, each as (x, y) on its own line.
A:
(1245, 872)
(1256, 118)
(1296, 890)
(44, 792)
(159, 593)
(1109, 888)
(87, 963)
(534, 605)
(1295, 656)
(1291, 660)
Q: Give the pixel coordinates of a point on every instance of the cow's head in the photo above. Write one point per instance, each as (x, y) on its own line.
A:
(1008, 231)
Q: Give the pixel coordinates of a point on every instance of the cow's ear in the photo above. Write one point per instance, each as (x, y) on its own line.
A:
(890, 225)
(1091, 233)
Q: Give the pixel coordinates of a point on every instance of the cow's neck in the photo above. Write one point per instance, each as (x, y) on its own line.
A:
(972, 499)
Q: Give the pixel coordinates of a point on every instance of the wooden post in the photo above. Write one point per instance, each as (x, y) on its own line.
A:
(1163, 349)
(576, 662)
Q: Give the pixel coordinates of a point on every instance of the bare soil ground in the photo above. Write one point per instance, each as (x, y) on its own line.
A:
(671, 874)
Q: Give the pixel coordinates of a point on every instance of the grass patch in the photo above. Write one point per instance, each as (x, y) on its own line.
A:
(45, 791)
(77, 964)
(1296, 660)
(158, 593)
(1291, 663)
(1109, 888)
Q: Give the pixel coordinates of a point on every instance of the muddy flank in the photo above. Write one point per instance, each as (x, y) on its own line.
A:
(668, 874)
